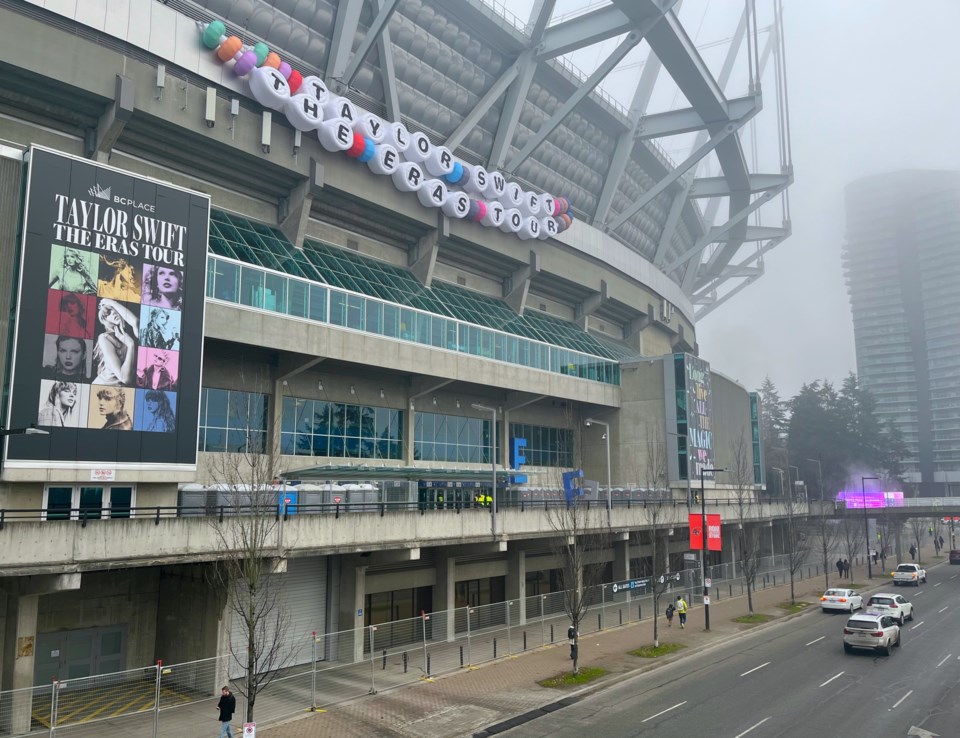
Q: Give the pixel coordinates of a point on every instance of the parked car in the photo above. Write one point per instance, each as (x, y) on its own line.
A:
(909, 574)
(872, 631)
(845, 600)
(955, 556)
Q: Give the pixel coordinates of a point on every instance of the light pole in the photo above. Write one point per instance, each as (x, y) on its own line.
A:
(703, 547)
(493, 461)
(866, 525)
(819, 476)
(606, 437)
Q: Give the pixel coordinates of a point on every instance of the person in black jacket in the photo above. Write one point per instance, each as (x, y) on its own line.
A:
(227, 706)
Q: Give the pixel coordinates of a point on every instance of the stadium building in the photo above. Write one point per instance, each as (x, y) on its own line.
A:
(405, 248)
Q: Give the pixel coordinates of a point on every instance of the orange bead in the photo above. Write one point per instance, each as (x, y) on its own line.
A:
(229, 48)
(272, 60)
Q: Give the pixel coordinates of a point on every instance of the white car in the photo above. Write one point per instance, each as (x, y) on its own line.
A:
(894, 605)
(845, 600)
(871, 630)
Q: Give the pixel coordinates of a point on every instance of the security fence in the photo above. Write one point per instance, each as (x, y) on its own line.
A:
(177, 699)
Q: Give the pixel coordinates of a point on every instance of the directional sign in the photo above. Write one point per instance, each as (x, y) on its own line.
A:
(631, 584)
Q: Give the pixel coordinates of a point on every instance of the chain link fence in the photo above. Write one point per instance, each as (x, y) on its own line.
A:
(178, 699)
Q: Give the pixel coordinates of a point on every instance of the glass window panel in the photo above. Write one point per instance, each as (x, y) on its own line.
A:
(236, 441)
(352, 447)
(287, 444)
(374, 322)
(91, 502)
(215, 440)
(355, 305)
(297, 298)
(424, 328)
(216, 406)
(321, 445)
(321, 417)
(59, 502)
(121, 499)
(408, 325)
(251, 287)
(288, 419)
(391, 321)
(499, 346)
(352, 425)
(275, 293)
(337, 418)
(318, 303)
(225, 287)
(338, 308)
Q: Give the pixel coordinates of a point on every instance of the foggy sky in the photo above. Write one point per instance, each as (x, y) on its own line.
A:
(873, 88)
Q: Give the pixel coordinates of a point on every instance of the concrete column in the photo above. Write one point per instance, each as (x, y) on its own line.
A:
(444, 593)
(517, 583)
(353, 593)
(20, 640)
(621, 560)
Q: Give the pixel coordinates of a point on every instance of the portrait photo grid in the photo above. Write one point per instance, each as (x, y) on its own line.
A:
(111, 352)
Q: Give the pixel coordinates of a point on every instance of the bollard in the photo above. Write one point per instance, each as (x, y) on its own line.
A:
(428, 664)
(494, 648)
(405, 661)
(524, 640)
(730, 590)
(639, 612)
(599, 621)
(461, 657)
(620, 613)
(551, 632)
(384, 666)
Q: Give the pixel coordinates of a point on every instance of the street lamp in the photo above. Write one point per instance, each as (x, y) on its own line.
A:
(819, 476)
(606, 437)
(703, 547)
(866, 525)
(493, 460)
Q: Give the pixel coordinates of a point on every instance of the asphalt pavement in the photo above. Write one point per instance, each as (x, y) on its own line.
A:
(492, 698)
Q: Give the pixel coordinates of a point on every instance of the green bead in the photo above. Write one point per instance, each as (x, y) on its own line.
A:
(213, 33)
(261, 50)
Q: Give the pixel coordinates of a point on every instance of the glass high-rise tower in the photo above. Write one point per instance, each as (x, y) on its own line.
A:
(902, 266)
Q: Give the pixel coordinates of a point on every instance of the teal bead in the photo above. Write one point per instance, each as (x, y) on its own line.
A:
(261, 50)
(213, 33)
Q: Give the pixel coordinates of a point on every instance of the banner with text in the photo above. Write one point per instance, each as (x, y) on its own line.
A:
(109, 326)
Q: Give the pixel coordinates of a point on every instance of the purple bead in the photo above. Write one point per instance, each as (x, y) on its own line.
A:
(245, 64)
(285, 70)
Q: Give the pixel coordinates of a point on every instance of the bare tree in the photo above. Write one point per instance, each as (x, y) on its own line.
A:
(798, 542)
(249, 533)
(917, 527)
(851, 533)
(747, 554)
(936, 522)
(582, 538)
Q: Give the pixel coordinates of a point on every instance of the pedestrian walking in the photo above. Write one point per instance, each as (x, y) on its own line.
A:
(913, 552)
(840, 568)
(682, 610)
(227, 706)
(941, 541)
(669, 613)
(846, 568)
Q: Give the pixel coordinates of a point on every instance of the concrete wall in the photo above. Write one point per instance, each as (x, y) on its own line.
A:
(189, 612)
(731, 421)
(127, 597)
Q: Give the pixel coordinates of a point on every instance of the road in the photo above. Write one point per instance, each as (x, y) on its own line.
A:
(791, 680)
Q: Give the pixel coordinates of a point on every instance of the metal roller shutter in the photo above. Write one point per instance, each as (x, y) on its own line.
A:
(305, 599)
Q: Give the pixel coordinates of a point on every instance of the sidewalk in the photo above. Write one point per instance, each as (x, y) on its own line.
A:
(471, 701)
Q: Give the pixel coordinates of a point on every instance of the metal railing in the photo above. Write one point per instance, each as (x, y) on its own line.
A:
(177, 699)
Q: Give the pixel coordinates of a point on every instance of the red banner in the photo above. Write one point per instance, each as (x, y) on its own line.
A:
(713, 533)
(696, 532)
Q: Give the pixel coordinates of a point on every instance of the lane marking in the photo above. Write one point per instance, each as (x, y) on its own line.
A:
(740, 735)
(918, 625)
(955, 576)
(663, 712)
(897, 703)
(831, 679)
(755, 668)
(816, 641)
(938, 584)
(944, 659)
(940, 611)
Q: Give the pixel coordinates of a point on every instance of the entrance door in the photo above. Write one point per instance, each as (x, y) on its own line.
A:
(72, 654)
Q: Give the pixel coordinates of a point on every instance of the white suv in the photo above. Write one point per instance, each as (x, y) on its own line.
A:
(871, 630)
(894, 605)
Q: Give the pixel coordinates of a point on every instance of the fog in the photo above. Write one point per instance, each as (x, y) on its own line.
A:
(873, 88)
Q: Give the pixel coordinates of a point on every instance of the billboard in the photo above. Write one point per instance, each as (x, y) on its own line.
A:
(109, 318)
(696, 523)
(689, 403)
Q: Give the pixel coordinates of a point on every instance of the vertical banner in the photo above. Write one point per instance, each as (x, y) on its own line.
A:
(109, 317)
(695, 522)
(694, 413)
(713, 533)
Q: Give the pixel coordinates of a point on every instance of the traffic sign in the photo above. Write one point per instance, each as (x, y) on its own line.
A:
(708, 583)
